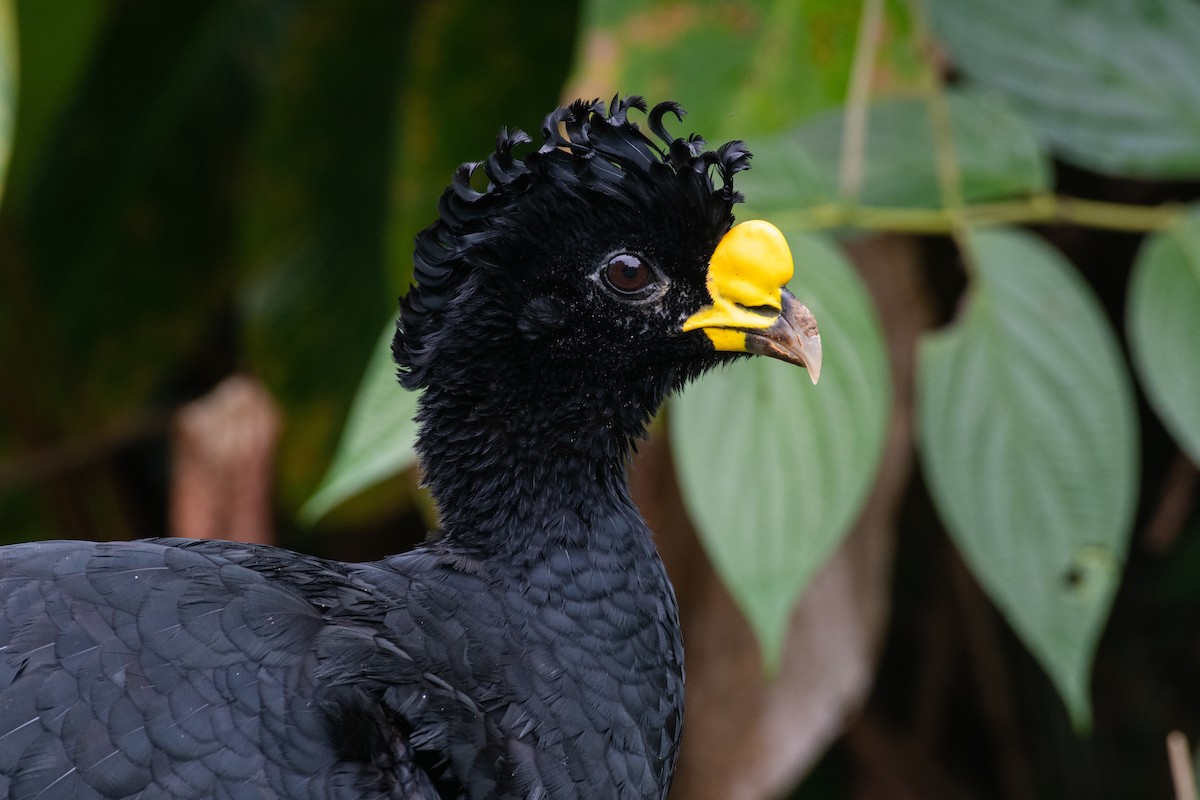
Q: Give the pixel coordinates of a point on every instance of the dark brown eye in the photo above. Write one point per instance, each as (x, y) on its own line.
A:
(627, 273)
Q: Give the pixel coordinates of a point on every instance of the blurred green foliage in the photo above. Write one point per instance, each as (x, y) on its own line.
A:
(224, 185)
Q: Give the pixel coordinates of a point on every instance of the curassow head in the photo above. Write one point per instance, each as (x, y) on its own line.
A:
(605, 258)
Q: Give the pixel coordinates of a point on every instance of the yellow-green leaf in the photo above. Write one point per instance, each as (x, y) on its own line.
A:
(740, 68)
(8, 85)
(378, 439)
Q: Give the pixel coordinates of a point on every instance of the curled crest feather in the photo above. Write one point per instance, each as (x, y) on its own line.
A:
(587, 150)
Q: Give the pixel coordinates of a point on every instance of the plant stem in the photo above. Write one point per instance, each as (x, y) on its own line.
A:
(1041, 208)
(949, 173)
(854, 133)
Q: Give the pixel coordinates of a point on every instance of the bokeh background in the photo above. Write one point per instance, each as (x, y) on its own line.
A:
(976, 570)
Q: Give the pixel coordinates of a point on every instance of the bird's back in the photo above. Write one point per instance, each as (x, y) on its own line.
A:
(150, 670)
(211, 669)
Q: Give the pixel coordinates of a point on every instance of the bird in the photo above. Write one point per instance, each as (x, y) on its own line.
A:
(530, 648)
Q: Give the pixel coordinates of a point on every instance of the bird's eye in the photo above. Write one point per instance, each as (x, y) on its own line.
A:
(627, 274)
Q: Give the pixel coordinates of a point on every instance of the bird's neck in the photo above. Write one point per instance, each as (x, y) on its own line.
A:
(534, 500)
(501, 469)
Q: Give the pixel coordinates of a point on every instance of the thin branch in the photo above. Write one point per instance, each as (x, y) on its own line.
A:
(1037, 209)
(1174, 507)
(1182, 771)
(53, 460)
(955, 217)
(933, 89)
(1117, 216)
(854, 132)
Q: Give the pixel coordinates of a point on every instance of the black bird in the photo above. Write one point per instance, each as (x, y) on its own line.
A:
(529, 650)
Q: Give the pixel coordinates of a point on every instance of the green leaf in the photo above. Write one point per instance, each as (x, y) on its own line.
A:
(470, 71)
(57, 41)
(1113, 85)
(774, 469)
(738, 67)
(787, 176)
(1164, 327)
(1026, 429)
(315, 216)
(999, 156)
(137, 169)
(378, 439)
(115, 266)
(342, 217)
(8, 85)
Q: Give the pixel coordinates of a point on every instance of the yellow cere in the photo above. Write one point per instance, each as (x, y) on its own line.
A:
(727, 339)
(747, 271)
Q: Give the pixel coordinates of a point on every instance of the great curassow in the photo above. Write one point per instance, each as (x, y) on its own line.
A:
(531, 649)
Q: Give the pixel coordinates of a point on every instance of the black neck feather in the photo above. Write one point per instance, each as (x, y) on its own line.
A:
(502, 463)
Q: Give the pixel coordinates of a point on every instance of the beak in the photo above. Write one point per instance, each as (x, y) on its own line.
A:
(751, 312)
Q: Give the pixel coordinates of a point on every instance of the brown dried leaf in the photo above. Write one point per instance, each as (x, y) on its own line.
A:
(223, 455)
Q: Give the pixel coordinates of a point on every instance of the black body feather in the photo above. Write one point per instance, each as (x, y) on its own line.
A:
(531, 649)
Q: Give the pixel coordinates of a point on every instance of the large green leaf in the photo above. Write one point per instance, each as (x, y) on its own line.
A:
(471, 71)
(124, 225)
(378, 439)
(315, 216)
(744, 67)
(1114, 85)
(56, 46)
(8, 85)
(787, 176)
(1164, 327)
(774, 469)
(999, 156)
(465, 73)
(114, 270)
(8, 91)
(1027, 433)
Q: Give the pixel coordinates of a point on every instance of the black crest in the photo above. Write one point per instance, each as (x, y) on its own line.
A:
(587, 150)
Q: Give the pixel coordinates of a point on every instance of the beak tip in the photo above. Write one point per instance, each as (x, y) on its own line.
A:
(812, 360)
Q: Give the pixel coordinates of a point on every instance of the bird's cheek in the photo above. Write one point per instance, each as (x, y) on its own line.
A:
(542, 317)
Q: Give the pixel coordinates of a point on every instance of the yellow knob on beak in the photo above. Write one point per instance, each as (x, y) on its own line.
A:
(751, 311)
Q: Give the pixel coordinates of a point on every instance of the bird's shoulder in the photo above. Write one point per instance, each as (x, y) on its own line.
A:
(563, 667)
